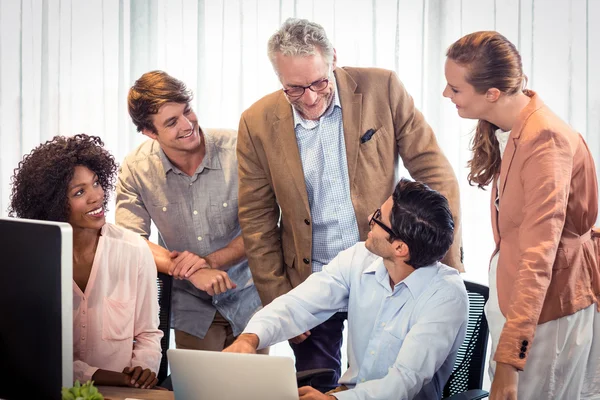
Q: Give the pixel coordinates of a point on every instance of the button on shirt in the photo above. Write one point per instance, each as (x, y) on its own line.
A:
(115, 321)
(197, 213)
(402, 341)
(323, 155)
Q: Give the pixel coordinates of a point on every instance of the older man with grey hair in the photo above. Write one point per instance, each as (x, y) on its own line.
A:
(315, 158)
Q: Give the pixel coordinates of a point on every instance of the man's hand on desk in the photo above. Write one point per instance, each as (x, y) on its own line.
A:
(245, 343)
(185, 264)
(212, 281)
(309, 393)
(140, 378)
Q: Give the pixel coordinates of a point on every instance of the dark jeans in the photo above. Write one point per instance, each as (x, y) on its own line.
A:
(322, 349)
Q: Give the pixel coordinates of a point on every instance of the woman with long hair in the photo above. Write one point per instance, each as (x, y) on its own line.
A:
(543, 275)
(116, 340)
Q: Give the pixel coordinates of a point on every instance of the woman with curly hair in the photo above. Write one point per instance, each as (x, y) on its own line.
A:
(116, 340)
(544, 286)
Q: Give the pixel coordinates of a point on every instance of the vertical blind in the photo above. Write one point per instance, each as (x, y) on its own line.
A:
(66, 67)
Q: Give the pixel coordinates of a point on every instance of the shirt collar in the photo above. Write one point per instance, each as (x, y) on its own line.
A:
(310, 124)
(211, 157)
(167, 165)
(210, 160)
(416, 282)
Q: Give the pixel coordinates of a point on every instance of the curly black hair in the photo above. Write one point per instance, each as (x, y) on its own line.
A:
(40, 182)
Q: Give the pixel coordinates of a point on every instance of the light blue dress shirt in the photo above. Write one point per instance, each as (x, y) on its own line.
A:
(323, 155)
(402, 341)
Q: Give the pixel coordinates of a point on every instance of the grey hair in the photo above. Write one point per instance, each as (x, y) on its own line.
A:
(299, 37)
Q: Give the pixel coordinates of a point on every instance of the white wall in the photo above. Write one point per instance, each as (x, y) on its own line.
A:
(66, 66)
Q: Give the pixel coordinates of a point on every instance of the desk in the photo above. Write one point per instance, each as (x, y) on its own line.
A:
(121, 393)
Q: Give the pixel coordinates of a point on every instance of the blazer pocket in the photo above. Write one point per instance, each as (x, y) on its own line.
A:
(375, 156)
(372, 143)
(117, 319)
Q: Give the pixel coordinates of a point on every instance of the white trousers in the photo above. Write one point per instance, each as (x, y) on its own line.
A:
(563, 361)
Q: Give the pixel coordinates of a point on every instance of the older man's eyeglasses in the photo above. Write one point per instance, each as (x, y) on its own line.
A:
(376, 219)
(316, 86)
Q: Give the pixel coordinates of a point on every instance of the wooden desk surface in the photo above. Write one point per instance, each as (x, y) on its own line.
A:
(122, 393)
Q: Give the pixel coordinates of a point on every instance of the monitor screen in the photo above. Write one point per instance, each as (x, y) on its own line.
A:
(36, 297)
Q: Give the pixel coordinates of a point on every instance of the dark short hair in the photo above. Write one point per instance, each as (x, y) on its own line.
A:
(152, 91)
(421, 218)
(41, 181)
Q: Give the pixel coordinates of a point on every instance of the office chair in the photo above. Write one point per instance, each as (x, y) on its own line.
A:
(466, 379)
(165, 283)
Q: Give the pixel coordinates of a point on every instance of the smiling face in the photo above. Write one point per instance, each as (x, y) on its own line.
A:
(176, 127)
(303, 71)
(469, 103)
(86, 200)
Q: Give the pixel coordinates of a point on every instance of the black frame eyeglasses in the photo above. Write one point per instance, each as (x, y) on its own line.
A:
(298, 91)
(376, 218)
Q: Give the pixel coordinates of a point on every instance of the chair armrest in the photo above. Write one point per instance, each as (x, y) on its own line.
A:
(474, 394)
(314, 373)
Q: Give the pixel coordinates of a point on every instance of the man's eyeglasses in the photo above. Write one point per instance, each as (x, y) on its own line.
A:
(316, 86)
(376, 218)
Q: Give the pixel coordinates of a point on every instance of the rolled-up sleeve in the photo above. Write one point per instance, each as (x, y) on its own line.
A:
(131, 213)
(83, 372)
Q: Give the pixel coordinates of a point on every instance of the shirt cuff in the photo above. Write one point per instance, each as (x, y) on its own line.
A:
(258, 331)
(88, 373)
(345, 395)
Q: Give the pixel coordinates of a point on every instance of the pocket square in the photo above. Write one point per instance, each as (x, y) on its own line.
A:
(367, 136)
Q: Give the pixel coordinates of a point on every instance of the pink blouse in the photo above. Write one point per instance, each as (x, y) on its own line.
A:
(115, 322)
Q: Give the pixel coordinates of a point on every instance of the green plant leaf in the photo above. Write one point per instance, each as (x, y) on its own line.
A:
(87, 391)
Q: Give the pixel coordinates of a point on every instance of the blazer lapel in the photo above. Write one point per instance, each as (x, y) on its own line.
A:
(509, 153)
(285, 138)
(511, 147)
(494, 210)
(351, 118)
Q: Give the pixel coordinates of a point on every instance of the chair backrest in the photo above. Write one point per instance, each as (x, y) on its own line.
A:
(165, 283)
(469, 366)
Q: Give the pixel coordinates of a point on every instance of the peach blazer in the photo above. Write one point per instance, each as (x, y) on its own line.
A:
(547, 266)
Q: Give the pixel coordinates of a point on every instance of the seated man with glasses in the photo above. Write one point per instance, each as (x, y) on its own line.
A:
(407, 312)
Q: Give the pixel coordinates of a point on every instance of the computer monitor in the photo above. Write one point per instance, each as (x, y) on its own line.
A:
(36, 308)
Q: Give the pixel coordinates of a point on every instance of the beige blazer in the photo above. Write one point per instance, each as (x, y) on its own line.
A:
(548, 204)
(271, 177)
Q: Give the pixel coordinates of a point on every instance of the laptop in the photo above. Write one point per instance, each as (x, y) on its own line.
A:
(211, 375)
